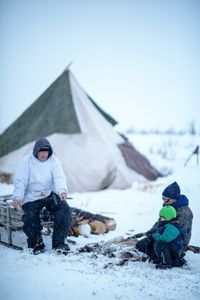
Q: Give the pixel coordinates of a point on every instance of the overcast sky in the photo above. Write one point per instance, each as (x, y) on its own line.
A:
(139, 59)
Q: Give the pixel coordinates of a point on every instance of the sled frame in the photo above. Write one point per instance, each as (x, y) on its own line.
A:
(10, 220)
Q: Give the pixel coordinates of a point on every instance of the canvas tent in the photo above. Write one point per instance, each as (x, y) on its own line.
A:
(93, 155)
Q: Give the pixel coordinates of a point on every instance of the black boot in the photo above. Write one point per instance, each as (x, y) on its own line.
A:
(163, 266)
(180, 262)
(36, 246)
(39, 248)
(62, 248)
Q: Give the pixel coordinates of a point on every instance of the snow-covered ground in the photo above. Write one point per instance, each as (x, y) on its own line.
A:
(84, 276)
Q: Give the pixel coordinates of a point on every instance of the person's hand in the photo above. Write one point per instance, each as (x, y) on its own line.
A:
(149, 232)
(63, 196)
(17, 203)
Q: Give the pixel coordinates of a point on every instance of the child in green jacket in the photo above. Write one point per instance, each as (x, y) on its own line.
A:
(166, 246)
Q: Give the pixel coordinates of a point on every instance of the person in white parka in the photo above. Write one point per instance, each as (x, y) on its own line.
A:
(40, 182)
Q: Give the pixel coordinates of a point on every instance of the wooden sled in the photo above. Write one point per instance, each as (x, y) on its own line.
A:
(11, 220)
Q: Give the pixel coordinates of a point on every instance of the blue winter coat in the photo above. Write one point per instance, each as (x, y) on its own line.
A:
(172, 233)
(184, 215)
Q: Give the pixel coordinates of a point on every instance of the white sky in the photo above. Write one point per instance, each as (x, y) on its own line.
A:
(138, 59)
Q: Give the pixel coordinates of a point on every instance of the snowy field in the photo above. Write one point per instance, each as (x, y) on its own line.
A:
(84, 276)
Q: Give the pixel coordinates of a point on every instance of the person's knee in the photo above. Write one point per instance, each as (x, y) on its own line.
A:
(142, 245)
(160, 244)
(65, 210)
(63, 215)
(29, 217)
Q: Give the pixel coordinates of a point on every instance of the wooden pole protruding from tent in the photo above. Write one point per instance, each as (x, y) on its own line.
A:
(195, 152)
(68, 66)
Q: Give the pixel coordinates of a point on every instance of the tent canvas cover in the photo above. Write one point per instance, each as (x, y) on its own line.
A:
(93, 155)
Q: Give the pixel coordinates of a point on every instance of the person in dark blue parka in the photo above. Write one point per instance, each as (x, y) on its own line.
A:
(172, 196)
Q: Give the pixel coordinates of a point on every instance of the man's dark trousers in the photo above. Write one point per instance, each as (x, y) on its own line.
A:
(60, 212)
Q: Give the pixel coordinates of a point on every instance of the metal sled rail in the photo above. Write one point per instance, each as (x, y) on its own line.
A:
(15, 247)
